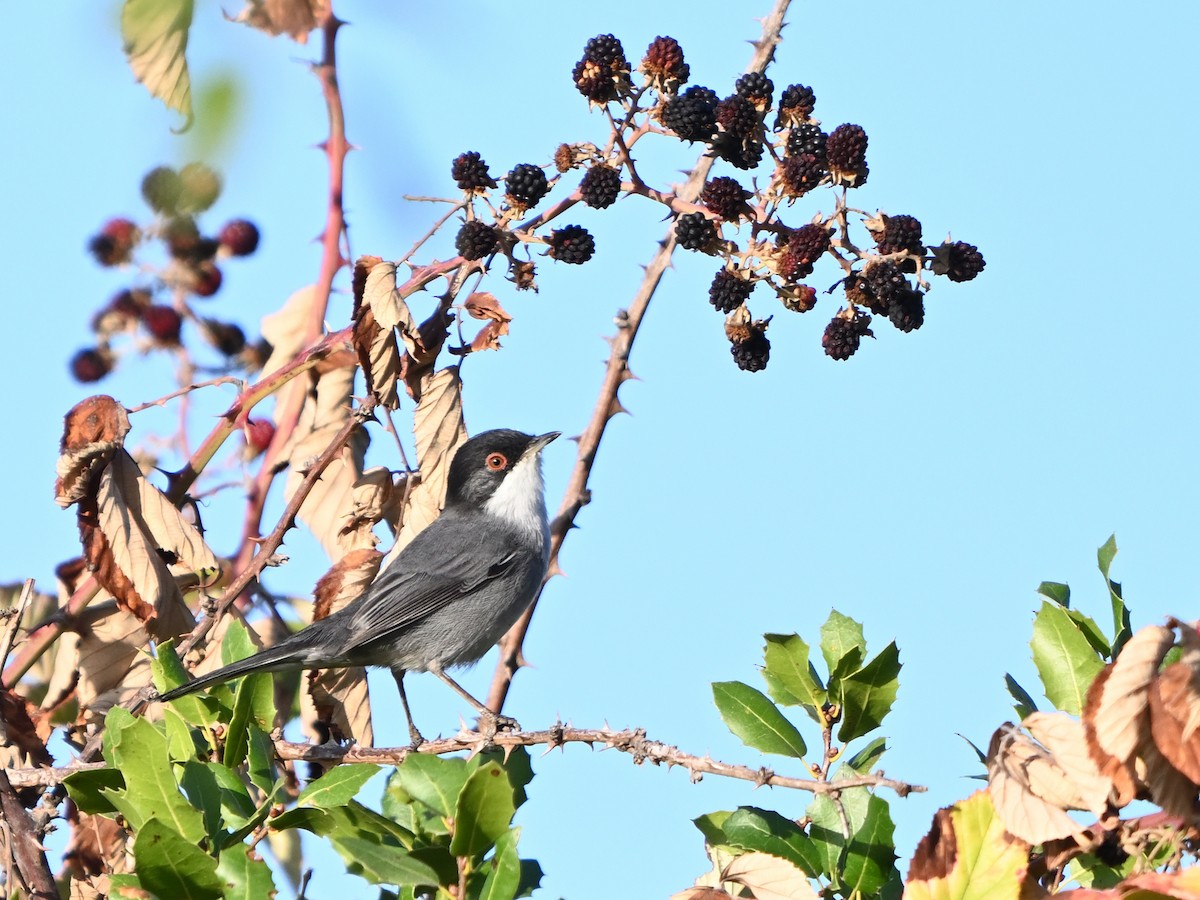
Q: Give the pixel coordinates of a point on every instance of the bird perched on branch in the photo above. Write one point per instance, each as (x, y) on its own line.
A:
(451, 593)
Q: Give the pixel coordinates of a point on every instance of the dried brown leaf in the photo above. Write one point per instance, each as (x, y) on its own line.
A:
(295, 18)
(482, 305)
(1063, 737)
(111, 664)
(370, 497)
(20, 728)
(1028, 789)
(489, 336)
(1166, 785)
(701, 893)
(286, 328)
(1175, 715)
(345, 581)
(769, 877)
(96, 846)
(387, 303)
(92, 431)
(1180, 885)
(339, 700)
(379, 356)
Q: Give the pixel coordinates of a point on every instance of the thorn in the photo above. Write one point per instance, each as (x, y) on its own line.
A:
(554, 570)
(616, 408)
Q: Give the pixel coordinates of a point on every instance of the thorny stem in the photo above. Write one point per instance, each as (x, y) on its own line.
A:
(166, 398)
(617, 372)
(32, 868)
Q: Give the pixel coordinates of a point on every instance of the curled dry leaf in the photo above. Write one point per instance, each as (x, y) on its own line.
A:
(285, 329)
(345, 580)
(109, 659)
(92, 431)
(97, 845)
(1175, 708)
(769, 877)
(379, 355)
(371, 495)
(489, 336)
(387, 303)
(23, 730)
(1063, 737)
(295, 18)
(482, 305)
(701, 893)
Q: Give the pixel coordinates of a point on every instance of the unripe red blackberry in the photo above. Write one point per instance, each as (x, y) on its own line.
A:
(162, 323)
(806, 138)
(693, 114)
(754, 352)
(726, 198)
(476, 239)
(842, 335)
(470, 173)
(124, 308)
(664, 66)
(958, 261)
(600, 186)
(846, 154)
(695, 231)
(907, 312)
(796, 105)
(757, 88)
(897, 234)
(90, 364)
(602, 74)
(228, 338)
(572, 244)
(797, 175)
(239, 237)
(525, 185)
(161, 188)
(797, 297)
(113, 245)
(206, 279)
(878, 287)
(729, 290)
(259, 433)
(200, 187)
(805, 245)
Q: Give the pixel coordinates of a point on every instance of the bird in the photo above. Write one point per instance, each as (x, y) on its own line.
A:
(449, 595)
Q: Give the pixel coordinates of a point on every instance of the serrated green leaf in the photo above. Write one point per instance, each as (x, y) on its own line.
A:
(825, 828)
(1024, 703)
(1091, 631)
(503, 869)
(245, 878)
(765, 831)
(155, 33)
(168, 672)
(868, 757)
(868, 694)
(433, 780)
(531, 877)
(89, 789)
(982, 757)
(518, 767)
(200, 784)
(1065, 660)
(871, 854)
(841, 637)
(338, 786)
(1056, 591)
(790, 676)
(755, 720)
(181, 737)
(169, 865)
(483, 812)
(1122, 629)
(712, 826)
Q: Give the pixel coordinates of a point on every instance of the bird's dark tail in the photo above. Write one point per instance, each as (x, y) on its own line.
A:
(279, 658)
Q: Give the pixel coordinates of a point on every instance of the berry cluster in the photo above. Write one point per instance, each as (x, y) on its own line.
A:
(158, 309)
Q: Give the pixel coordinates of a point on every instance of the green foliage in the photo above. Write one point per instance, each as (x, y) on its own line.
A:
(751, 715)
(155, 33)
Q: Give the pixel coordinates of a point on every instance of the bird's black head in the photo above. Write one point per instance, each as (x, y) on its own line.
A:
(489, 460)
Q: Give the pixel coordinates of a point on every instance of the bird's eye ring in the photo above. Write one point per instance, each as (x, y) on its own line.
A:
(496, 461)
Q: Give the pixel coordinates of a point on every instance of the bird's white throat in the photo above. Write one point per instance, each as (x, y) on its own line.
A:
(520, 499)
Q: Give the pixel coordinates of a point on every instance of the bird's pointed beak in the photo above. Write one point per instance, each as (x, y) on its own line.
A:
(539, 442)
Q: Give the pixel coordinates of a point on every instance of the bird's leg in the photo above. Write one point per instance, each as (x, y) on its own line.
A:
(415, 735)
(503, 723)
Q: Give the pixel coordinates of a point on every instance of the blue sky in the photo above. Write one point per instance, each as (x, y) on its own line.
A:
(926, 486)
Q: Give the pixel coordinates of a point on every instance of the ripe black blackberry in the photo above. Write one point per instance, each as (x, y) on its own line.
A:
(161, 188)
(90, 364)
(525, 185)
(600, 186)
(897, 234)
(757, 88)
(603, 72)
(878, 287)
(740, 139)
(958, 261)
(227, 337)
(572, 244)
(664, 66)
(470, 173)
(693, 114)
(805, 245)
(695, 231)
(796, 104)
(846, 154)
(797, 175)
(843, 336)
(729, 290)
(907, 311)
(753, 353)
(476, 239)
(726, 198)
(806, 138)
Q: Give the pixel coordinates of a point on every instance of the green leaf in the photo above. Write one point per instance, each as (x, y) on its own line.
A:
(503, 869)
(871, 854)
(1024, 705)
(518, 767)
(842, 637)
(89, 789)
(868, 694)
(168, 672)
(382, 863)
(712, 826)
(754, 829)
(484, 809)
(790, 675)
(200, 784)
(825, 829)
(125, 887)
(986, 862)
(1065, 660)
(252, 691)
(139, 751)
(1056, 591)
(261, 759)
(245, 878)
(1122, 630)
(338, 786)
(220, 104)
(306, 818)
(432, 780)
(753, 718)
(155, 33)
(866, 759)
(169, 865)
(531, 877)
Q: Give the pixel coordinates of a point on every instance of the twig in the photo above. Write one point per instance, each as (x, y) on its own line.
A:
(420, 242)
(14, 623)
(162, 401)
(617, 372)
(40, 639)
(33, 871)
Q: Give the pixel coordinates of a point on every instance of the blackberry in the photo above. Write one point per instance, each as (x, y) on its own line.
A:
(470, 173)
(114, 244)
(123, 308)
(161, 188)
(806, 138)
(525, 185)
(239, 237)
(663, 65)
(740, 139)
(805, 245)
(958, 261)
(842, 336)
(572, 244)
(797, 175)
(897, 234)
(200, 187)
(846, 153)
(206, 279)
(725, 198)
(796, 105)
(757, 88)
(600, 186)
(227, 337)
(797, 297)
(603, 73)
(752, 354)
(729, 290)
(693, 114)
(878, 287)
(163, 324)
(476, 239)
(907, 311)
(90, 364)
(695, 231)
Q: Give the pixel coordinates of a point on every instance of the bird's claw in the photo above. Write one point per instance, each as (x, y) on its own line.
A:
(491, 723)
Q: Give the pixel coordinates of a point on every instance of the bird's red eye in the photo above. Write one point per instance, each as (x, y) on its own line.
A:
(496, 461)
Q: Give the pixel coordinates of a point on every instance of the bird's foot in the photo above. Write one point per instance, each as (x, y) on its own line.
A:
(491, 723)
(416, 737)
